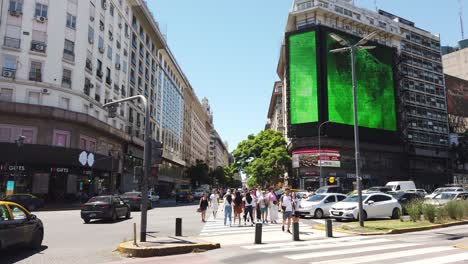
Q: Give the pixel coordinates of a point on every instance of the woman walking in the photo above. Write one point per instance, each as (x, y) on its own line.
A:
(228, 207)
(214, 203)
(273, 206)
(249, 201)
(261, 205)
(203, 206)
(237, 207)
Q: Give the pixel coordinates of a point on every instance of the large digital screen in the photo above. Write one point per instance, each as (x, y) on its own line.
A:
(375, 85)
(303, 78)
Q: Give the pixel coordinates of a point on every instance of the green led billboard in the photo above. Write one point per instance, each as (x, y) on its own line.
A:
(303, 78)
(375, 86)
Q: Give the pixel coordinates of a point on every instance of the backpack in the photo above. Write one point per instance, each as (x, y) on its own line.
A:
(238, 200)
(229, 198)
(248, 198)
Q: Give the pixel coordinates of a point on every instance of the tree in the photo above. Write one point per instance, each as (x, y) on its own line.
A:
(263, 158)
(198, 173)
(229, 172)
(218, 176)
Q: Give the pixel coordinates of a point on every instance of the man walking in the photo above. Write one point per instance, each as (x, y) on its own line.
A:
(287, 208)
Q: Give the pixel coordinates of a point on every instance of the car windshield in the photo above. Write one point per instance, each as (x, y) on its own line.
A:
(439, 190)
(391, 187)
(316, 198)
(132, 194)
(301, 195)
(445, 196)
(354, 199)
(99, 199)
(321, 190)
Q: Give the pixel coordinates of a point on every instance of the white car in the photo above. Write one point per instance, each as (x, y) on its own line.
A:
(153, 197)
(420, 192)
(443, 198)
(375, 205)
(319, 205)
(443, 189)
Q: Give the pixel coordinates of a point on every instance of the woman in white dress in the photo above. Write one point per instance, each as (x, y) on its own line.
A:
(214, 202)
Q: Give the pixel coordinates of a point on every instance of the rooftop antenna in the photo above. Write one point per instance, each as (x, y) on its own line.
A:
(460, 13)
(375, 4)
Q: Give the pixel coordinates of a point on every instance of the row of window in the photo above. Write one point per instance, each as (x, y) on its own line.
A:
(425, 100)
(423, 87)
(428, 125)
(422, 137)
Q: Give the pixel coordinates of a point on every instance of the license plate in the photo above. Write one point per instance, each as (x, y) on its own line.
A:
(92, 215)
(335, 213)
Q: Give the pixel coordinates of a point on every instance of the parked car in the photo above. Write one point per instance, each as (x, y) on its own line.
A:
(302, 194)
(19, 227)
(105, 207)
(319, 205)
(184, 197)
(420, 192)
(329, 189)
(444, 189)
(405, 198)
(398, 186)
(383, 189)
(444, 197)
(375, 205)
(198, 193)
(28, 201)
(133, 199)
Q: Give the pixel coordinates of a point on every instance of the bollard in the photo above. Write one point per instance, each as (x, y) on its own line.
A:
(329, 228)
(178, 227)
(134, 234)
(258, 233)
(295, 231)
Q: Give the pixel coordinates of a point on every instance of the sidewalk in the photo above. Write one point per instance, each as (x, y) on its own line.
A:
(164, 246)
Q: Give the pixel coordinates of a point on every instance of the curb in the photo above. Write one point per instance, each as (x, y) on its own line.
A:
(396, 231)
(461, 246)
(146, 252)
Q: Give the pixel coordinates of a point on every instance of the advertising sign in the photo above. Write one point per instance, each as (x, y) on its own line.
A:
(10, 188)
(315, 158)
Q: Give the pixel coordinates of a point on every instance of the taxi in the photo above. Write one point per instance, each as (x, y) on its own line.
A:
(18, 227)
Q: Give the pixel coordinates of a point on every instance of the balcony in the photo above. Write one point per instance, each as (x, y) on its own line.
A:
(89, 64)
(86, 89)
(97, 97)
(66, 82)
(35, 76)
(9, 73)
(123, 92)
(108, 80)
(38, 46)
(12, 42)
(99, 73)
(68, 55)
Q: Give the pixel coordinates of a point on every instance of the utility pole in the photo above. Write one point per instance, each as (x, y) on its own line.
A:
(460, 13)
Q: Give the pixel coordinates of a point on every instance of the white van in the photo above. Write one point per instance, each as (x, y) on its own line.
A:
(398, 186)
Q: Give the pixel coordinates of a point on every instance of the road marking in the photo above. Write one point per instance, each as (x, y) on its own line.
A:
(324, 246)
(440, 260)
(331, 240)
(338, 252)
(388, 256)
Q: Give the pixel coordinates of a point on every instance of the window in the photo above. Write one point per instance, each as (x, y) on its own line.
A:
(64, 103)
(69, 50)
(109, 52)
(101, 43)
(16, 6)
(34, 97)
(9, 64)
(61, 138)
(41, 10)
(124, 66)
(90, 35)
(111, 10)
(28, 134)
(36, 71)
(12, 36)
(4, 214)
(330, 199)
(71, 21)
(87, 143)
(6, 94)
(18, 213)
(66, 78)
(117, 59)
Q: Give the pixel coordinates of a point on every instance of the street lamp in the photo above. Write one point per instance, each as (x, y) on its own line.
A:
(147, 156)
(19, 142)
(320, 153)
(352, 49)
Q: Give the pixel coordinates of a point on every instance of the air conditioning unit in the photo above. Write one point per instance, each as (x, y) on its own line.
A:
(41, 19)
(45, 91)
(16, 13)
(117, 66)
(7, 74)
(40, 47)
(101, 49)
(101, 27)
(91, 18)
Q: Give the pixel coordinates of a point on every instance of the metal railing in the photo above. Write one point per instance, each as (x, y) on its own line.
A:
(68, 55)
(35, 76)
(38, 46)
(12, 42)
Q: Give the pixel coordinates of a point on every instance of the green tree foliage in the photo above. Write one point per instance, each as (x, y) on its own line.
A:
(198, 173)
(262, 157)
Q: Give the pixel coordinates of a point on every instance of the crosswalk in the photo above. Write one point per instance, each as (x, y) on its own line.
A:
(359, 250)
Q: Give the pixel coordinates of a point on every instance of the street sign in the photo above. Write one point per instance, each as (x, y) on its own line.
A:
(83, 158)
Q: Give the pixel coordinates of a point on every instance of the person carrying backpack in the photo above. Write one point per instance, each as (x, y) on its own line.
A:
(249, 201)
(286, 204)
(228, 207)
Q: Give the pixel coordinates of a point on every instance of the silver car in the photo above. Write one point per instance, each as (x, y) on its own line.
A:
(319, 205)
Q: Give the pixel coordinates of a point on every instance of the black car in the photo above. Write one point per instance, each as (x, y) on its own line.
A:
(184, 197)
(133, 199)
(105, 207)
(19, 227)
(406, 197)
(28, 201)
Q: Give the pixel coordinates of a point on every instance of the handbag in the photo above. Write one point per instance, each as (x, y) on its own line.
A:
(199, 210)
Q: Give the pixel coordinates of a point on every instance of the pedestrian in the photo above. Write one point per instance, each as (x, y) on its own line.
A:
(227, 200)
(237, 207)
(258, 212)
(248, 201)
(286, 205)
(214, 203)
(203, 205)
(261, 205)
(254, 203)
(273, 206)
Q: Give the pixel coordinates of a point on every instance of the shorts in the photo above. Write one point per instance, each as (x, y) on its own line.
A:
(286, 215)
(296, 214)
(264, 209)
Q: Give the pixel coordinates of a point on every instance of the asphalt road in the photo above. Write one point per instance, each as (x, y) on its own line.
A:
(68, 240)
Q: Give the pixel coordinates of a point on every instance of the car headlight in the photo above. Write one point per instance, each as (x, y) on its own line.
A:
(351, 208)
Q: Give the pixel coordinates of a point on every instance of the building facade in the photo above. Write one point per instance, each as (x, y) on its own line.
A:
(61, 61)
(422, 152)
(276, 115)
(455, 60)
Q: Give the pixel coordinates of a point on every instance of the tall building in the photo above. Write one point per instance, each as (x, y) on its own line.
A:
(61, 61)
(403, 110)
(455, 60)
(275, 118)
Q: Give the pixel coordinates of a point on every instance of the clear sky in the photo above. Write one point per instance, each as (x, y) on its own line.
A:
(229, 49)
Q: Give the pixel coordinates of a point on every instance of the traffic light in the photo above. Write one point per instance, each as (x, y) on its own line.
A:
(331, 180)
(156, 152)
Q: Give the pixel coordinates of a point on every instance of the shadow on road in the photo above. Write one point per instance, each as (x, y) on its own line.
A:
(106, 221)
(17, 254)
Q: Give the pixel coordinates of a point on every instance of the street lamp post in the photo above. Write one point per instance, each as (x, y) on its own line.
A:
(322, 183)
(352, 49)
(19, 143)
(146, 161)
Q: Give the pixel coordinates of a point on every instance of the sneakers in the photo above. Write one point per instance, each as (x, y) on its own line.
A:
(289, 231)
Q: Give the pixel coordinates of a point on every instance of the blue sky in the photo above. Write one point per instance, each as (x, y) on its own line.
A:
(229, 49)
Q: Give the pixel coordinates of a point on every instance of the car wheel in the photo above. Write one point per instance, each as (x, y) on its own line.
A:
(364, 216)
(318, 214)
(127, 216)
(86, 220)
(395, 213)
(36, 241)
(114, 216)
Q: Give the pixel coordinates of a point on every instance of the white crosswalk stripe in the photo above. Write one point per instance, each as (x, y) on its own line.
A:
(359, 250)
